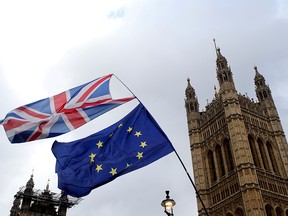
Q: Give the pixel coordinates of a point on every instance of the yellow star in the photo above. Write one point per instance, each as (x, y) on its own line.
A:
(139, 155)
(99, 144)
(138, 133)
(111, 135)
(99, 168)
(120, 125)
(143, 144)
(128, 165)
(129, 129)
(113, 171)
(92, 156)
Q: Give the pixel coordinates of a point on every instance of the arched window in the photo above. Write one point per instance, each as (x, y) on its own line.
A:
(212, 167)
(261, 96)
(263, 154)
(269, 210)
(286, 212)
(279, 211)
(191, 107)
(225, 78)
(272, 157)
(239, 212)
(229, 214)
(254, 151)
(228, 155)
(220, 162)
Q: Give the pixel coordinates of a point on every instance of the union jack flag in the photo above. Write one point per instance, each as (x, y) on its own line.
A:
(61, 113)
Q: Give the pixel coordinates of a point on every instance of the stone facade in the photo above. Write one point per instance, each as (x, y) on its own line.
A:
(239, 149)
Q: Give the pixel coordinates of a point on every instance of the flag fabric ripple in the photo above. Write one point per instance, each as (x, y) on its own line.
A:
(61, 113)
(131, 143)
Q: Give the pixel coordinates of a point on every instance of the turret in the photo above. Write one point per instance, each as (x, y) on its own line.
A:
(64, 204)
(15, 210)
(192, 107)
(264, 95)
(224, 74)
(191, 101)
(263, 91)
(28, 192)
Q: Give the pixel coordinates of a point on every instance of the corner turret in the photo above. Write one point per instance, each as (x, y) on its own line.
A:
(263, 91)
(28, 192)
(191, 101)
(224, 73)
(15, 210)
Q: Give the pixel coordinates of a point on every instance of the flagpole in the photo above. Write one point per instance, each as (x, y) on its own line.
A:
(198, 195)
(127, 87)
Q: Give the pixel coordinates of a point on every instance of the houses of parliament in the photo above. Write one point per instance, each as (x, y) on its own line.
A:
(238, 148)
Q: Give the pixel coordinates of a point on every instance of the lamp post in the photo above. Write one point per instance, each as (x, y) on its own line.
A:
(168, 204)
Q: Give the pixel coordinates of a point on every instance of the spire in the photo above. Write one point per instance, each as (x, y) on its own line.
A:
(47, 186)
(191, 101)
(30, 183)
(215, 46)
(258, 76)
(189, 90)
(220, 57)
(263, 91)
(224, 74)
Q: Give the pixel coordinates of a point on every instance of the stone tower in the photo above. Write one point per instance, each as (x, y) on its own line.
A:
(34, 202)
(239, 150)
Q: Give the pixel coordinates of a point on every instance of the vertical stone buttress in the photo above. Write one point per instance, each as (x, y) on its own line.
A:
(193, 115)
(265, 99)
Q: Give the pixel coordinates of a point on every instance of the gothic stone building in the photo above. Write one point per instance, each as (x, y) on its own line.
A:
(33, 202)
(239, 150)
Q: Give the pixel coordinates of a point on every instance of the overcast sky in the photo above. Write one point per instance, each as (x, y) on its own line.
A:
(47, 47)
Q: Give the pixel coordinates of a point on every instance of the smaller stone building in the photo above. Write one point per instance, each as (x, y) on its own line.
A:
(34, 202)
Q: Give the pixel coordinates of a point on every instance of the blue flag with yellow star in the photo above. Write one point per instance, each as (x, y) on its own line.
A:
(132, 143)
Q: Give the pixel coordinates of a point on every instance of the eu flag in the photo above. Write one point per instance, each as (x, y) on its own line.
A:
(132, 143)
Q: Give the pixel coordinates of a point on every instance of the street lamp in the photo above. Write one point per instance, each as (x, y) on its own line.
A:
(168, 204)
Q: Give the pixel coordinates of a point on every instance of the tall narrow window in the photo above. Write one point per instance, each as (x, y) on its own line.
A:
(272, 157)
(254, 151)
(239, 212)
(279, 211)
(269, 210)
(212, 167)
(263, 154)
(220, 162)
(228, 155)
(191, 106)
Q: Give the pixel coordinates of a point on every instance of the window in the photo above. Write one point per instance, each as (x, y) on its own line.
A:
(212, 167)
(228, 155)
(220, 161)
(269, 210)
(254, 151)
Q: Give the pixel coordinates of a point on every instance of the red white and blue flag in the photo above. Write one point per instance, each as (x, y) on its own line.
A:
(61, 113)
